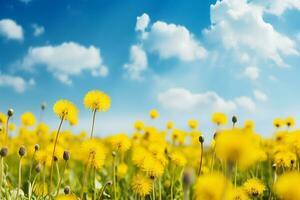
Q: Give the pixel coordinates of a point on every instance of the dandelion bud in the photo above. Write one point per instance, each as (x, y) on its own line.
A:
(1, 129)
(55, 158)
(22, 151)
(43, 106)
(114, 154)
(36, 147)
(4, 151)
(201, 139)
(66, 155)
(67, 190)
(109, 183)
(38, 168)
(234, 119)
(188, 178)
(274, 166)
(10, 112)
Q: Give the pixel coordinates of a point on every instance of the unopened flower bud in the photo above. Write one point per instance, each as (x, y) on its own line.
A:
(55, 158)
(36, 147)
(4, 151)
(22, 151)
(234, 119)
(201, 139)
(10, 112)
(38, 168)
(67, 190)
(66, 155)
(109, 183)
(114, 153)
(43, 106)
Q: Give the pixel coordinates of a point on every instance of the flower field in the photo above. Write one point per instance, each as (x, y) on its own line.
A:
(42, 162)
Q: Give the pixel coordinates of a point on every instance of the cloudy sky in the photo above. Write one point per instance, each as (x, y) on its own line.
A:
(185, 58)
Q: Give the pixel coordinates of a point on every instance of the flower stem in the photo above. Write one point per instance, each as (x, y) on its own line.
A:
(7, 131)
(93, 123)
(85, 175)
(1, 175)
(201, 157)
(61, 178)
(235, 174)
(53, 153)
(114, 178)
(20, 178)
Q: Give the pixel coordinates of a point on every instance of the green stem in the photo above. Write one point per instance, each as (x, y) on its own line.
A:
(1, 176)
(85, 176)
(61, 178)
(235, 174)
(93, 123)
(20, 178)
(114, 178)
(31, 164)
(159, 185)
(201, 157)
(153, 190)
(53, 153)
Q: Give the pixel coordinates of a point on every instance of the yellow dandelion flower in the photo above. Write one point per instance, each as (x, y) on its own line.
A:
(139, 125)
(236, 146)
(97, 100)
(170, 125)
(219, 118)
(28, 119)
(285, 158)
(210, 186)
(66, 110)
(254, 187)
(122, 170)
(236, 194)
(278, 122)
(154, 114)
(3, 118)
(290, 122)
(193, 124)
(287, 186)
(249, 125)
(141, 185)
(152, 167)
(120, 142)
(178, 159)
(66, 197)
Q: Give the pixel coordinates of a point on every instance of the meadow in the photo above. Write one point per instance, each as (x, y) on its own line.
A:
(42, 162)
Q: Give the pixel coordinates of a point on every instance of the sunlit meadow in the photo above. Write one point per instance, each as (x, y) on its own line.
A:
(42, 162)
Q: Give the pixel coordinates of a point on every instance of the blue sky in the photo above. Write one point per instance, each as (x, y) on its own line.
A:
(185, 58)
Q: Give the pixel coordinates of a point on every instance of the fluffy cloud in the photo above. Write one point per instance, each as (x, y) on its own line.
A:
(65, 60)
(11, 30)
(138, 62)
(38, 30)
(259, 95)
(251, 72)
(15, 82)
(238, 25)
(183, 100)
(142, 22)
(278, 7)
(173, 41)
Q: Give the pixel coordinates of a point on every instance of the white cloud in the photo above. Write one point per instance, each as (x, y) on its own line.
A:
(173, 41)
(278, 7)
(15, 82)
(138, 62)
(11, 30)
(183, 100)
(239, 26)
(246, 103)
(65, 60)
(251, 72)
(259, 95)
(142, 22)
(38, 30)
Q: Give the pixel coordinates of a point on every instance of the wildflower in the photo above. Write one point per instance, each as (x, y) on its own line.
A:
(139, 125)
(210, 186)
(3, 118)
(28, 119)
(97, 100)
(152, 167)
(141, 185)
(154, 114)
(170, 125)
(120, 142)
(234, 120)
(66, 155)
(249, 125)
(122, 170)
(65, 110)
(22, 151)
(254, 187)
(285, 158)
(66, 197)
(3, 151)
(278, 123)
(236, 194)
(219, 118)
(193, 124)
(178, 159)
(287, 186)
(290, 122)
(236, 146)
(67, 190)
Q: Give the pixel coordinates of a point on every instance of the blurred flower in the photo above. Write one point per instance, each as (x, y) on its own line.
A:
(287, 186)
(219, 118)
(28, 119)
(141, 185)
(97, 100)
(254, 187)
(154, 114)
